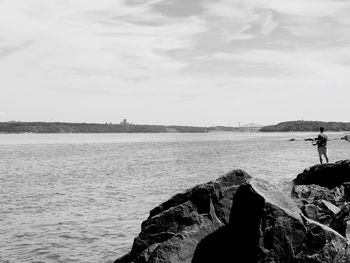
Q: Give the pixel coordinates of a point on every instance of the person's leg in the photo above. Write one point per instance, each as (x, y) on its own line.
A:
(326, 155)
(320, 154)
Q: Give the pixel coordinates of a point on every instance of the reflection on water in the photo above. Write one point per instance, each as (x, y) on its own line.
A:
(82, 197)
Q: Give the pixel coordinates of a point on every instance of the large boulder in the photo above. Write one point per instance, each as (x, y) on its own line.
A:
(240, 219)
(265, 226)
(174, 228)
(325, 207)
(327, 175)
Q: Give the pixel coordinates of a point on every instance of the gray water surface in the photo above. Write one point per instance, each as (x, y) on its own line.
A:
(82, 197)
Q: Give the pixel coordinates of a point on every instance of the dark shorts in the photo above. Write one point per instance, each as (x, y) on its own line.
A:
(322, 151)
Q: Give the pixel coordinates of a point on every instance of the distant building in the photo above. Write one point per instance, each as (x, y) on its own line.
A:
(124, 123)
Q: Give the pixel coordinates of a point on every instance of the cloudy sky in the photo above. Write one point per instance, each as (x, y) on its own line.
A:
(188, 62)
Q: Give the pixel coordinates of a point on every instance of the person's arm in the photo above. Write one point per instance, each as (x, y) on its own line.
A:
(317, 141)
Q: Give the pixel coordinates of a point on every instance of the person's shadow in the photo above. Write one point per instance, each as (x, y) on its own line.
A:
(238, 241)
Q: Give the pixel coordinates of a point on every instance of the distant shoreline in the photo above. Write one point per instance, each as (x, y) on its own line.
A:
(65, 127)
(124, 127)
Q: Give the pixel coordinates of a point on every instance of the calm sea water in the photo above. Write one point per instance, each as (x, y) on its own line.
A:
(82, 197)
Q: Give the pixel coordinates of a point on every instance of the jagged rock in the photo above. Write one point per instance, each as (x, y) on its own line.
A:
(347, 230)
(322, 244)
(321, 211)
(322, 204)
(346, 138)
(327, 175)
(265, 226)
(327, 206)
(306, 194)
(330, 207)
(340, 221)
(174, 228)
(310, 211)
(240, 219)
(346, 191)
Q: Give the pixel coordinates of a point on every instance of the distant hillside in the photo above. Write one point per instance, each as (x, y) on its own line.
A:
(62, 127)
(290, 126)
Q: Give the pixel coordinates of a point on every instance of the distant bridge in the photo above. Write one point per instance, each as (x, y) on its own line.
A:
(252, 127)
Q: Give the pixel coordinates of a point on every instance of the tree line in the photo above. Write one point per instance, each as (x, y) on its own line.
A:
(305, 126)
(61, 127)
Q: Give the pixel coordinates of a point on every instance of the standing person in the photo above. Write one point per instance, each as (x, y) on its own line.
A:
(322, 145)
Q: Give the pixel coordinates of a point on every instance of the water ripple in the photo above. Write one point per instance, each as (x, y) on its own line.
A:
(82, 198)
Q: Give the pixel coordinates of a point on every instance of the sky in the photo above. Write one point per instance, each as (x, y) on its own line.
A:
(184, 62)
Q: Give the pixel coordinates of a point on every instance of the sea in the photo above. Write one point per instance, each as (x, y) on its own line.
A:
(82, 197)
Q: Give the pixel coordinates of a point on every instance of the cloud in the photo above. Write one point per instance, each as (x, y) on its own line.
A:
(7, 50)
(274, 38)
(313, 8)
(179, 8)
(104, 37)
(8, 47)
(181, 52)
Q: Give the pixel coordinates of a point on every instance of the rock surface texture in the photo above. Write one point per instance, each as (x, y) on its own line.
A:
(265, 226)
(241, 219)
(326, 175)
(321, 194)
(173, 229)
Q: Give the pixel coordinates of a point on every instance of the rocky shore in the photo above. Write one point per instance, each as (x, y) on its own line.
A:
(238, 218)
